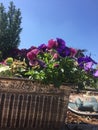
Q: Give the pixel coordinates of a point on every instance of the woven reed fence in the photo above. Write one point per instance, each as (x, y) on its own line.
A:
(25, 104)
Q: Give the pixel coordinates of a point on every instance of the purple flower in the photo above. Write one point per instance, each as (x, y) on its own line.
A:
(23, 53)
(42, 47)
(61, 43)
(88, 66)
(96, 73)
(83, 60)
(64, 51)
(31, 48)
(14, 52)
(88, 59)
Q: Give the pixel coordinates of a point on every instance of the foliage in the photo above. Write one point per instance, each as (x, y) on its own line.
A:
(54, 63)
(10, 29)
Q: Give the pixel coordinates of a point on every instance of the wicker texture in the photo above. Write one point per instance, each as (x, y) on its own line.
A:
(24, 104)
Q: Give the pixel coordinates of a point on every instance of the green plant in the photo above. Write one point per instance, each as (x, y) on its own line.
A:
(55, 63)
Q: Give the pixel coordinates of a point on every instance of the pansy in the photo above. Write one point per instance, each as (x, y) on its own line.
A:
(84, 60)
(55, 63)
(88, 65)
(42, 47)
(52, 44)
(32, 54)
(61, 43)
(73, 52)
(96, 73)
(64, 51)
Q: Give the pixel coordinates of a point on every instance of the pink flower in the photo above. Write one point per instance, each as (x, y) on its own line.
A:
(52, 44)
(55, 56)
(73, 51)
(35, 51)
(32, 54)
(3, 63)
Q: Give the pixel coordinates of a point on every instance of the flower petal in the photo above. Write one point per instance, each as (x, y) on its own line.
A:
(96, 73)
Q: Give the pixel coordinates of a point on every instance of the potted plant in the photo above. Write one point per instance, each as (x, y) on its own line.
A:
(46, 75)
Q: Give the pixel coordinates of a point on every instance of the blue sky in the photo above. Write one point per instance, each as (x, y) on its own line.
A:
(75, 21)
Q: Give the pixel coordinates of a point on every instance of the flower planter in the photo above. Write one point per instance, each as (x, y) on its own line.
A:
(25, 104)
